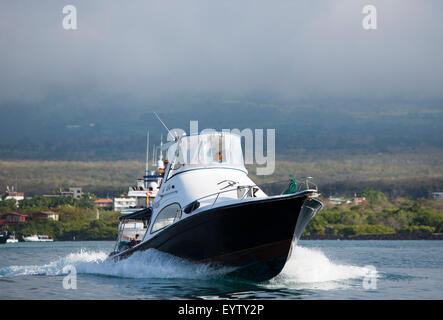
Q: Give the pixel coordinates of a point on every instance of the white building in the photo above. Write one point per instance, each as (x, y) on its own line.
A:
(74, 192)
(11, 194)
(437, 195)
(337, 200)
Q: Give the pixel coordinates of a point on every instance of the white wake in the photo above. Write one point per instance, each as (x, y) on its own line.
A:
(310, 268)
(146, 264)
(306, 268)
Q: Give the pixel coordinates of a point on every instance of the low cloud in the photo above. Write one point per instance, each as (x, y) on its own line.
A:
(291, 49)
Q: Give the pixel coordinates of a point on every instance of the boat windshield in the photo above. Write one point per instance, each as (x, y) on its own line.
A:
(130, 233)
(208, 150)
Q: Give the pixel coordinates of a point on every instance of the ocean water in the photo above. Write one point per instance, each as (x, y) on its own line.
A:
(316, 270)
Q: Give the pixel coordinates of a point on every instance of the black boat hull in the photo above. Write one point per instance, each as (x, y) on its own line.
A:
(254, 237)
(4, 236)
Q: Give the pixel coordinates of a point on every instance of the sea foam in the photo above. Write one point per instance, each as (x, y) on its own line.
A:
(147, 264)
(306, 268)
(311, 268)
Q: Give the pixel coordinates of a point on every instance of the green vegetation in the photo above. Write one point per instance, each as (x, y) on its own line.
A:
(41, 177)
(80, 131)
(398, 174)
(397, 186)
(69, 230)
(380, 216)
(77, 219)
(414, 173)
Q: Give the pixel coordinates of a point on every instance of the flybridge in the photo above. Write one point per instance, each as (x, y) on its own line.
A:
(211, 150)
(254, 141)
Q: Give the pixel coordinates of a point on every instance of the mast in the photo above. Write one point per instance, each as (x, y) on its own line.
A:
(147, 161)
(160, 164)
(161, 145)
(147, 154)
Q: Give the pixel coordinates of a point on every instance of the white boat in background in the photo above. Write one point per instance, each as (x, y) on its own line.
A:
(12, 239)
(6, 237)
(38, 238)
(140, 196)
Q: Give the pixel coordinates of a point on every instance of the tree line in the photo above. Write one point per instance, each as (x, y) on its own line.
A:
(77, 218)
(379, 216)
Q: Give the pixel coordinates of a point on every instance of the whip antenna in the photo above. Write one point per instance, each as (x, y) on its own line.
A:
(169, 131)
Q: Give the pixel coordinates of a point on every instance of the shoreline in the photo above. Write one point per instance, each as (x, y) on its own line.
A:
(394, 236)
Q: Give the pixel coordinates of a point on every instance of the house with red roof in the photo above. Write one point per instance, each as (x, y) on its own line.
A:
(12, 218)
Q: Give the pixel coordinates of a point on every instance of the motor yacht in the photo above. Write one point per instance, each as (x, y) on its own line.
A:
(12, 239)
(208, 210)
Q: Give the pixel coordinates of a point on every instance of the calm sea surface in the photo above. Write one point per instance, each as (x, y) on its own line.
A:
(316, 270)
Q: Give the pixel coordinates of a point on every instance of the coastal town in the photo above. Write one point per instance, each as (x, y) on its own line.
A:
(352, 216)
(71, 213)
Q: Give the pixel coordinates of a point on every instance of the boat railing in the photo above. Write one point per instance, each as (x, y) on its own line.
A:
(270, 188)
(295, 185)
(217, 194)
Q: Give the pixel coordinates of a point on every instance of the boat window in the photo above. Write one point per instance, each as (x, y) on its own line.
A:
(167, 216)
(130, 230)
(217, 149)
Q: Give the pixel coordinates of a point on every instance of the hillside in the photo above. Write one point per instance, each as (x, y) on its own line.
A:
(62, 129)
(399, 174)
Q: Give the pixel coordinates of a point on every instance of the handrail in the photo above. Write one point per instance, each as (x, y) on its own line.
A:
(249, 188)
(223, 191)
(303, 181)
(119, 236)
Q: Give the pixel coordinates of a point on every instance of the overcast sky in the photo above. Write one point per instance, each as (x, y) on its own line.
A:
(293, 49)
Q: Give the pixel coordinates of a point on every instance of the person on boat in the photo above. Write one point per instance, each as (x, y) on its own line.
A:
(161, 171)
(134, 241)
(220, 156)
